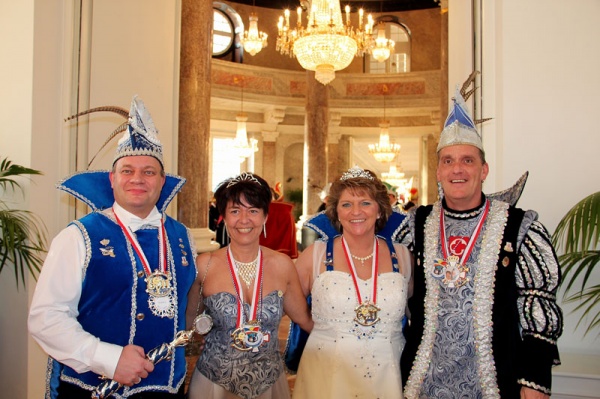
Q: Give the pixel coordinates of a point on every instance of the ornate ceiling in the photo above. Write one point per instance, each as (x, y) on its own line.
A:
(367, 5)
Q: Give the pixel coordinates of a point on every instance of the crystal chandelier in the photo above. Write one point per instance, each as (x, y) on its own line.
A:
(326, 44)
(394, 177)
(384, 151)
(241, 146)
(383, 46)
(253, 40)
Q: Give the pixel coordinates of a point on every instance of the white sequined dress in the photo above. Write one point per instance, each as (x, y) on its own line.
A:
(343, 359)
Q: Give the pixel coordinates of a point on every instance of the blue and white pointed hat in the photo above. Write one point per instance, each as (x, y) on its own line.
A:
(141, 136)
(459, 127)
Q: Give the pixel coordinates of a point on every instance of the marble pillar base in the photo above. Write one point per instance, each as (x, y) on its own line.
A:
(204, 240)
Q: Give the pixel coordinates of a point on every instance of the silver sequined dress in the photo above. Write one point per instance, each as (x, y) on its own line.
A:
(243, 374)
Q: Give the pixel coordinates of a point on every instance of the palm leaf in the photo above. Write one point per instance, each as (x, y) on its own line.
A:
(22, 242)
(577, 239)
(586, 300)
(8, 170)
(22, 233)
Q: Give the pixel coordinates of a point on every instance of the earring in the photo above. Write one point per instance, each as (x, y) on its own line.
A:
(265, 230)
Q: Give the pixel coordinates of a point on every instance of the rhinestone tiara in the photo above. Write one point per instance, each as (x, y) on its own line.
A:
(243, 177)
(356, 172)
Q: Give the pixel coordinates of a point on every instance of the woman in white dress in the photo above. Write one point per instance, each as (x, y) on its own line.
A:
(359, 281)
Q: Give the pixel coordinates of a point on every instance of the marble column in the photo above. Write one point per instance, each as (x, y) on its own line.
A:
(269, 155)
(194, 111)
(333, 139)
(432, 192)
(315, 143)
(194, 117)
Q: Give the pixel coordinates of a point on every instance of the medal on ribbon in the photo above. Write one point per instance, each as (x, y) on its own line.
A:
(158, 283)
(248, 335)
(452, 270)
(366, 311)
(203, 323)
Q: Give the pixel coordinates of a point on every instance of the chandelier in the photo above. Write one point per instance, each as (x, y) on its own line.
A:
(384, 151)
(326, 44)
(383, 46)
(241, 146)
(396, 179)
(253, 40)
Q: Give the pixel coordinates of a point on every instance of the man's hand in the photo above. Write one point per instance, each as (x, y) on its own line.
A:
(528, 393)
(132, 366)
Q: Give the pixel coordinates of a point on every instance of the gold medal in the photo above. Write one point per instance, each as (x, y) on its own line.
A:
(160, 301)
(158, 284)
(366, 314)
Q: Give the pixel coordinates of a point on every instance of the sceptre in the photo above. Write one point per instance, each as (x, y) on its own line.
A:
(162, 352)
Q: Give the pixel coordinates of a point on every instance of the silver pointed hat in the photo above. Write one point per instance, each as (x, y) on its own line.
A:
(459, 127)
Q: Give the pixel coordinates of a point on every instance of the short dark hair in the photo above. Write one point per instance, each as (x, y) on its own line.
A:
(253, 188)
(374, 188)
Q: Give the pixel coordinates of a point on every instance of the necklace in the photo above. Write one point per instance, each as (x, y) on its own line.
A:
(248, 334)
(247, 270)
(362, 259)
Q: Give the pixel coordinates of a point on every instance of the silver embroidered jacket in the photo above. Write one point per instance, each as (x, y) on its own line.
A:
(495, 332)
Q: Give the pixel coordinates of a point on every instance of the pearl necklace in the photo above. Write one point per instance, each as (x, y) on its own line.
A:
(362, 259)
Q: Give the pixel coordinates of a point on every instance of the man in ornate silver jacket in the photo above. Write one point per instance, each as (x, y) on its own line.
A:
(483, 316)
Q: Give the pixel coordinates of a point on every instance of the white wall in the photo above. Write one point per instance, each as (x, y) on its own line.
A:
(16, 31)
(550, 98)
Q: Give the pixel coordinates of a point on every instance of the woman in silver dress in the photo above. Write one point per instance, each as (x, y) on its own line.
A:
(245, 289)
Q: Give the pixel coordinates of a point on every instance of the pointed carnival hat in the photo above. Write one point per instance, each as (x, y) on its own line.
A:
(459, 127)
(140, 137)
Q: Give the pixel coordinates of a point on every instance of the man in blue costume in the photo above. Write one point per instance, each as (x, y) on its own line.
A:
(484, 319)
(115, 282)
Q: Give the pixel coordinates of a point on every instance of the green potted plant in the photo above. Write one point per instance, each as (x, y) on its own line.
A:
(577, 239)
(22, 233)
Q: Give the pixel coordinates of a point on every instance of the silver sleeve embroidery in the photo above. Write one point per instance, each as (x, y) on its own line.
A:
(538, 277)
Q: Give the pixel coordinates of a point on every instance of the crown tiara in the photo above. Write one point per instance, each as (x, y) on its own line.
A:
(356, 172)
(243, 177)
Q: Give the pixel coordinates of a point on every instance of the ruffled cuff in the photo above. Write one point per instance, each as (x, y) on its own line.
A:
(536, 360)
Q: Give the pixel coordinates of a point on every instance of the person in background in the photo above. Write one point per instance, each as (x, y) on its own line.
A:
(484, 322)
(244, 289)
(359, 282)
(393, 196)
(213, 213)
(280, 228)
(115, 282)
